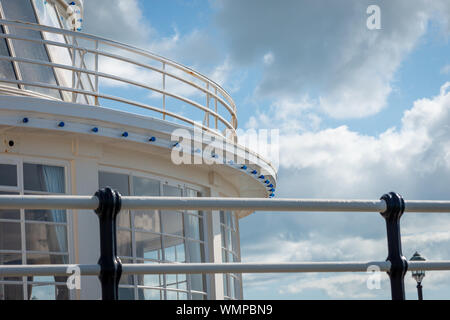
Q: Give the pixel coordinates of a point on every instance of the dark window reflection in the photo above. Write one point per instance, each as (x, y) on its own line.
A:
(22, 10)
(6, 67)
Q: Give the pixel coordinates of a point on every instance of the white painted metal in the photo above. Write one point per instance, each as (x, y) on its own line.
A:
(179, 203)
(195, 268)
(183, 74)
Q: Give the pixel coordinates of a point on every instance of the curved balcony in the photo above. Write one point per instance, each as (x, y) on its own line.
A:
(90, 70)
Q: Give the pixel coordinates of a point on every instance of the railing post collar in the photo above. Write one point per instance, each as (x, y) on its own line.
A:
(110, 265)
(395, 207)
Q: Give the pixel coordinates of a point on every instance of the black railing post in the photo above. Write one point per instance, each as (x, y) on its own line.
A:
(395, 206)
(110, 264)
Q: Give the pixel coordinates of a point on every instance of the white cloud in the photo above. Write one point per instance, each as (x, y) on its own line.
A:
(339, 163)
(325, 48)
(119, 20)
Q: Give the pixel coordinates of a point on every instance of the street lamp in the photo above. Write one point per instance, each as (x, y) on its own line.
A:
(419, 274)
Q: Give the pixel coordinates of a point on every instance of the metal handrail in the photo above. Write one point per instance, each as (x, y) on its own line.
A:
(212, 268)
(193, 203)
(107, 204)
(210, 89)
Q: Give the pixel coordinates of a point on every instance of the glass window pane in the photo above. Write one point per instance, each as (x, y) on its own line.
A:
(124, 243)
(198, 296)
(149, 294)
(172, 222)
(225, 285)
(10, 259)
(123, 219)
(182, 295)
(8, 172)
(10, 236)
(48, 16)
(223, 236)
(126, 293)
(192, 193)
(174, 249)
(11, 292)
(171, 295)
(150, 280)
(145, 187)
(234, 247)
(198, 282)
(43, 237)
(126, 278)
(231, 292)
(148, 245)
(171, 280)
(147, 220)
(237, 288)
(195, 194)
(38, 177)
(222, 217)
(171, 191)
(58, 216)
(6, 67)
(196, 251)
(48, 292)
(9, 213)
(46, 259)
(23, 11)
(194, 226)
(229, 236)
(224, 256)
(116, 181)
(229, 216)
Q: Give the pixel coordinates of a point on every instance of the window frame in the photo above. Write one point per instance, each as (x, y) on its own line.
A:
(20, 189)
(183, 186)
(225, 229)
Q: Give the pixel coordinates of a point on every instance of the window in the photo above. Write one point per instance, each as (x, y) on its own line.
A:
(6, 67)
(33, 236)
(23, 10)
(230, 253)
(154, 236)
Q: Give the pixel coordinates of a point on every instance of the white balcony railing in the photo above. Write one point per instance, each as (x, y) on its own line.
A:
(94, 68)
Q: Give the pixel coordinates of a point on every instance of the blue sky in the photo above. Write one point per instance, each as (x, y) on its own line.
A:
(361, 113)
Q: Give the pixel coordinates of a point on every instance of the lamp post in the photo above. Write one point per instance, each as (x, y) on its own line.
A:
(418, 275)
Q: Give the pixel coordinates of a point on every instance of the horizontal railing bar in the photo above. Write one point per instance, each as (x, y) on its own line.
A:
(26, 25)
(120, 79)
(428, 265)
(427, 206)
(230, 109)
(48, 202)
(175, 203)
(294, 267)
(193, 203)
(197, 268)
(48, 270)
(113, 98)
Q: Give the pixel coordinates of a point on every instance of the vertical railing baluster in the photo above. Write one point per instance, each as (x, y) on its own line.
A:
(96, 71)
(74, 57)
(110, 264)
(207, 104)
(215, 107)
(395, 206)
(164, 89)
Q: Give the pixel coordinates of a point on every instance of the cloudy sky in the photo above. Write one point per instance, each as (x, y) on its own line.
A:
(360, 112)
